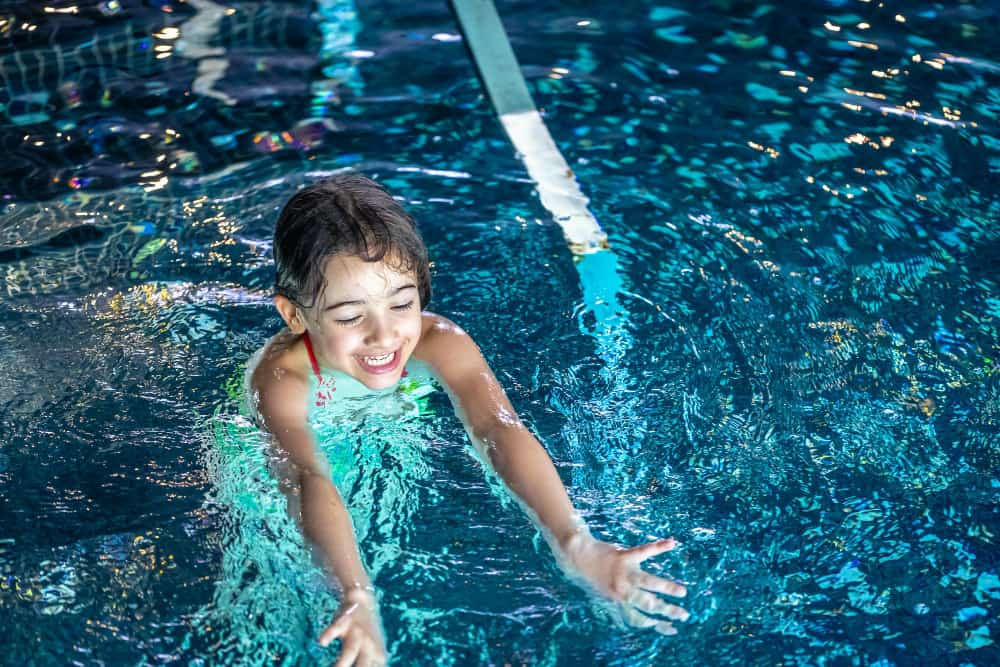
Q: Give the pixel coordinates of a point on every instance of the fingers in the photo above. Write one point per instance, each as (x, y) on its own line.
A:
(360, 644)
(349, 653)
(360, 653)
(335, 629)
(650, 604)
(646, 551)
(637, 620)
(665, 628)
(651, 582)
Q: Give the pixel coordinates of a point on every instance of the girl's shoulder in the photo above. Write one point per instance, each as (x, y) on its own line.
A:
(437, 333)
(281, 362)
(444, 344)
(437, 327)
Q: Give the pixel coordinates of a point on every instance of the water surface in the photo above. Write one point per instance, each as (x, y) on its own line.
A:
(803, 205)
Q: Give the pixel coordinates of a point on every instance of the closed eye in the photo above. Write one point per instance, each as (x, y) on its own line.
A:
(403, 306)
(349, 321)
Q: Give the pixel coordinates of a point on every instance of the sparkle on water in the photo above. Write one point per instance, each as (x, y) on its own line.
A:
(803, 390)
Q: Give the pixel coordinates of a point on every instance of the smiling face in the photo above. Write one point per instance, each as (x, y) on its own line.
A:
(366, 321)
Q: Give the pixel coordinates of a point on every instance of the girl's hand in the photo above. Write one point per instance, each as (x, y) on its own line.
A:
(358, 628)
(615, 573)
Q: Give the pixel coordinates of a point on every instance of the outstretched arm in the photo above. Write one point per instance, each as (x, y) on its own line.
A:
(521, 461)
(314, 502)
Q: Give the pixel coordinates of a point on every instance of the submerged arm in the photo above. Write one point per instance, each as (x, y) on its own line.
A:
(506, 444)
(500, 436)
(527, 470)
(315, 503)
(313, 500)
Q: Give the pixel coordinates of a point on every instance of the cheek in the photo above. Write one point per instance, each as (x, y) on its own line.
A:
(414, 327)
(339, 342)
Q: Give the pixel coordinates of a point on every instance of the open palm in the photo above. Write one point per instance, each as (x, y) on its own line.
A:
(615, 573)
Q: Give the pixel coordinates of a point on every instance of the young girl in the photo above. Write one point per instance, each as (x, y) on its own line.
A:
(352, 279)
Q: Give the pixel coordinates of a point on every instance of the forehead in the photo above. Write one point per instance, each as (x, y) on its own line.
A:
(348, 275)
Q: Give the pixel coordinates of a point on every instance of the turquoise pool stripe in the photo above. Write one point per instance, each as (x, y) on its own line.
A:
(557, 187)
(493, 56)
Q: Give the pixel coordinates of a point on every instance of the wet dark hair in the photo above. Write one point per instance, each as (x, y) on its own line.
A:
(347, 214)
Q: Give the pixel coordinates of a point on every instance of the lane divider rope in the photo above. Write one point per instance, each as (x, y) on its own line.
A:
(500, 74)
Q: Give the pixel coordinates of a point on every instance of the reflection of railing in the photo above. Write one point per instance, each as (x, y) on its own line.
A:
(197, 35)
(139, 97)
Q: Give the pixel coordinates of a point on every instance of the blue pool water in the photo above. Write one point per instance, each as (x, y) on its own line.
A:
(804, 389)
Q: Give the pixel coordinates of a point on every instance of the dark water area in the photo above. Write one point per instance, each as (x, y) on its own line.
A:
(803, 206)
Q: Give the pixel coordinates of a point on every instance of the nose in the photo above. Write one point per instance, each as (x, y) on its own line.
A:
(381, 333)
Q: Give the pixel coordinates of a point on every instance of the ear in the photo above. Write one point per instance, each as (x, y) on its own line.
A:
(290, 314)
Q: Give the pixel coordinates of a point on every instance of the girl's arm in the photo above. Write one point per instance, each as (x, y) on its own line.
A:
(315, 503)
(524, 465)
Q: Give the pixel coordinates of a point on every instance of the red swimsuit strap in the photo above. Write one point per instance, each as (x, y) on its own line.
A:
(312, 356)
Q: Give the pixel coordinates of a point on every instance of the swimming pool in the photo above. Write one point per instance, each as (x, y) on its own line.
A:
(804, 208)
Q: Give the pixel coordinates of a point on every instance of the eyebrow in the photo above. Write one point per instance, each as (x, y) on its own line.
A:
(358, 302)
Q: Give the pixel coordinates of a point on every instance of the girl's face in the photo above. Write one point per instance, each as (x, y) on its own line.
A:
(366, 322)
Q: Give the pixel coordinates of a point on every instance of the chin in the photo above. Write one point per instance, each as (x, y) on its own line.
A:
(386, 381)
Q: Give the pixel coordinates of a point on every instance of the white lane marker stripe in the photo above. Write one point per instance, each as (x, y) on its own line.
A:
(557, 186)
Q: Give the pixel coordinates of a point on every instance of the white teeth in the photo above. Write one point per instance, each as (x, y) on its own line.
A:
(381, 360)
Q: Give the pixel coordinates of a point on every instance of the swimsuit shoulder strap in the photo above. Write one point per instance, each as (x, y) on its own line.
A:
(312, 356)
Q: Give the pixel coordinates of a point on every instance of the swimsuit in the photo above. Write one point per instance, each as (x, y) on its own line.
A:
(241, 445)
(354, 399)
